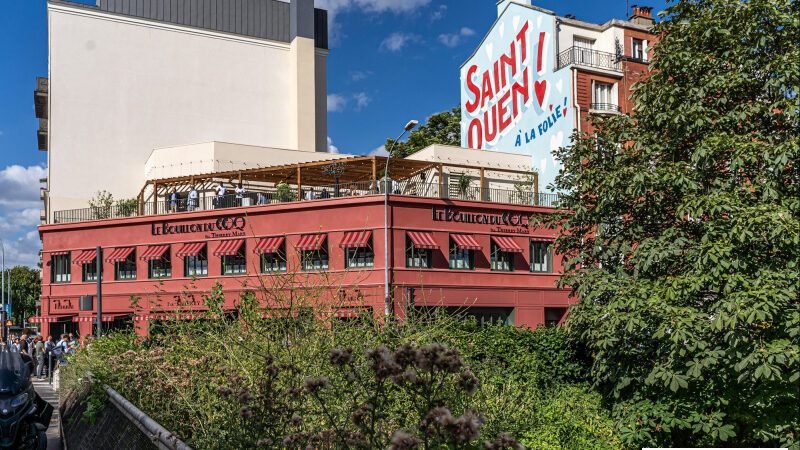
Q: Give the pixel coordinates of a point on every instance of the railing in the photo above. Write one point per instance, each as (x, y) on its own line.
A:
(606, 107)
(208, 201)
(590, 58)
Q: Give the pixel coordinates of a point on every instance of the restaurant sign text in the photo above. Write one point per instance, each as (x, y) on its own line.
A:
(222, 227)
(505, 222)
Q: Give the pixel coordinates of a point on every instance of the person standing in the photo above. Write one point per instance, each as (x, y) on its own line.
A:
(23, 344)
(192, 203)
(262, 199)
(49, 345)
(240, 195)
(38, 353)
(173, 200)
(73, 342)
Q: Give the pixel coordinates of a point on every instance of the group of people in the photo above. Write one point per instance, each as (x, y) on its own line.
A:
(43, 350)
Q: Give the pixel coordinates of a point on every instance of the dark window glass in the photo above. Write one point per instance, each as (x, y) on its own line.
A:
(359, 257)
(461, 258)
(235, 264)
(160, 268)
(196, 266)
(60, 272)
(315, 259)
(89, 271)
(553, 315)
(126, 270)
(274, 262)
(541, 257)
(418, 258)
(501, 260)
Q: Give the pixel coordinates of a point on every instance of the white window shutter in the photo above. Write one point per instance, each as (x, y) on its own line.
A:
(644, 50)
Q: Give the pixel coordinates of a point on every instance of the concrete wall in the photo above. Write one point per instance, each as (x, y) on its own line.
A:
(122, 86)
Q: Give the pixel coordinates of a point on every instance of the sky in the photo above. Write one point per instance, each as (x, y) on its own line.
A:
(390, 61)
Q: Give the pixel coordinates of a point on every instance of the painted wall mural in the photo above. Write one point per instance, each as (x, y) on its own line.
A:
(511, 98)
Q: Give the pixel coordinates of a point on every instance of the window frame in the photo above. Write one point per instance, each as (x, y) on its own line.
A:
(353, 253)
(497, 256)
(413, 253)
(191, 262)
(278, 259)
(454, 256)
(548, 257)
(64, 276)
(122, 270)
(166, 260)
(89, 272)
(638, 51)
(236, 262)
(316, 260)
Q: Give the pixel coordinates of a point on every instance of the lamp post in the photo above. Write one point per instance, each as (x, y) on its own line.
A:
(409, 126)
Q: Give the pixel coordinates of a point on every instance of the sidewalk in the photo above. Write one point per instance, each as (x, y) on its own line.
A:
(45, 390)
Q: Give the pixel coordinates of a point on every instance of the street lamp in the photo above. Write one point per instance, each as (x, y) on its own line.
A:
(409, 126)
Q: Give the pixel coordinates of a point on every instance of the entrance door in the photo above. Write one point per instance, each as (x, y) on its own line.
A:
(583, 51)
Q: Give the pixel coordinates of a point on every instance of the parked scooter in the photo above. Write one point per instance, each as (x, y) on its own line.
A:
(24, 416)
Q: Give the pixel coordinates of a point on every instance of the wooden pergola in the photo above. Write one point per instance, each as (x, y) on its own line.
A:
(357, 169)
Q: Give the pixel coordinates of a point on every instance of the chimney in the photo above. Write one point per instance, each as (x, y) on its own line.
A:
(642, 15)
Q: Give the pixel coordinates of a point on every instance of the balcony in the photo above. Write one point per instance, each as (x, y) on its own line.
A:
(41, 134)
(40, 97)
(605, 108)
(594, 59)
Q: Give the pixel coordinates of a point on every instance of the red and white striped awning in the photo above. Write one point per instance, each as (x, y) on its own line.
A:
(190, 249)
(85, 257)
(106, 318)
(120, 254)
(422, 239)
(154, 252)
(354, 239)
(465, 241)
(310, 242)
(278, 313)
(507, 244)
(63, 252)
(230, 247)
(269, 244)
(347, 313)
(37, 319)
(542, 239)
(166, 317)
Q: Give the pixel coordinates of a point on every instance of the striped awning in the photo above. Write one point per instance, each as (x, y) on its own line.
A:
(542, 239)
(310, 242)
(85, 257)
(120, 254)
(229, 247)
(347, 313)
(106, 318)
(154, 252)
(465, 241)
(37, 319)
(166, 317)
(507, 244)
(269, 244)
(190, 249)
(278, 313)
(356, 239)
(63, 252)
(422, 239)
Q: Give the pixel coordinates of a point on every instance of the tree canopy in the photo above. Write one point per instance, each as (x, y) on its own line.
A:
(440, 128)
(25, 291)
(681, 233)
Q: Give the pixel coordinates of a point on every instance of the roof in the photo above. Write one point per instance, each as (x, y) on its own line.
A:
(265, 19)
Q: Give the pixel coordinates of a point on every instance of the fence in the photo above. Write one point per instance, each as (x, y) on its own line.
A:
(282, 194)
(590, 58)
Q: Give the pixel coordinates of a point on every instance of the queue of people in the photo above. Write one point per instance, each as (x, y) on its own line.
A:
(44, 351)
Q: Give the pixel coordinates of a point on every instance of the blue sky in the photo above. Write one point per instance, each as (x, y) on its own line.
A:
(390, 61)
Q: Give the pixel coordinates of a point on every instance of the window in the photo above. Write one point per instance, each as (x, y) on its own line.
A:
(60, 269)
(541, 256)
(583, 50)
(89, 271)
(161, 267)
(501, 260)
(235, 264)
(126, 269)
(274, 262)
(196, 265)
(461, 258)
(552, 316)
(359, 257)
(638, 49)
(418, 258)
(316, 259)
(602, 93)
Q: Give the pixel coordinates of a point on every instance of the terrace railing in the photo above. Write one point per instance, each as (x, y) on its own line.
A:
(209, 201)
(589, 58)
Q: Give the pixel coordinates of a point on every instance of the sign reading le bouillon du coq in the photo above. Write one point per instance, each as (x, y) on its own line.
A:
(511, 98)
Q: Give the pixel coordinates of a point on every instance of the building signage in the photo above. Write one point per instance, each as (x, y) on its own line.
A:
(513, 100)
(61, 304)
(222, 227)
(506, 222)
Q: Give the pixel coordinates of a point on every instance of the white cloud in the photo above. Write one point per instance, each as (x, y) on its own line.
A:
(336, 7)
(336, 102)
(19, 213)
(379, 151)
(397, 40)
(439, 13)
(362, 100)
(453, 39)
(20, 186)
(359, 75)
(332, 148)
(23, 250)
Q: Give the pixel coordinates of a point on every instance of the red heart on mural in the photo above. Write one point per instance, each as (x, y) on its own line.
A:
(565, 110)
(540, 87)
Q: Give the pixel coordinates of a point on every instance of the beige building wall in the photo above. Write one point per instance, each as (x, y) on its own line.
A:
(121, 86)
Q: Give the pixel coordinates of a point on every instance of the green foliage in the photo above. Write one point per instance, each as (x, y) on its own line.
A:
(440, 128)
(127, 207)
(682, 239)
(25, 291)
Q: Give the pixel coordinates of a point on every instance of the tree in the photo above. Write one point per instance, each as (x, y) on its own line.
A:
(25, 291)
(681, 235)
(441, 128)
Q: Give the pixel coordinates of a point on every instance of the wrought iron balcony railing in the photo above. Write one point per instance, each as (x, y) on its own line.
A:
(610, 107)
(589, 58)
